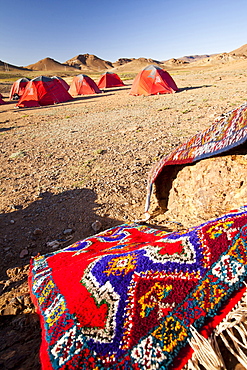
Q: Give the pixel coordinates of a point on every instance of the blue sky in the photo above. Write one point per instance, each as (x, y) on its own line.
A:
(161, 29)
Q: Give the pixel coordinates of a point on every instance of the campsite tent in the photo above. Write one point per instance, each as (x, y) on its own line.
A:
(109, 79)
(153, 80)
(64, 83)
(83, 85)
(43, 91)
(18, 88)
(1, 100)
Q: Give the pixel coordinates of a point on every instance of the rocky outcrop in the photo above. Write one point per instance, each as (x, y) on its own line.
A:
(193, 194)
(122, 61)
(90, 62)
(49, 64)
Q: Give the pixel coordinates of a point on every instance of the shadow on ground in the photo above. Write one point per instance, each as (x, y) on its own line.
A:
(64, 218)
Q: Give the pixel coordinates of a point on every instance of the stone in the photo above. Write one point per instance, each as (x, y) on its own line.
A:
(68, 231)
(96, 226)
(240, 367)
(53, 244)
(10, 310)
(193, 194)
(37, 232)
(23, 253)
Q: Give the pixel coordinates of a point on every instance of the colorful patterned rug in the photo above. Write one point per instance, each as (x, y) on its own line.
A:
(129, 297)
(225, 133)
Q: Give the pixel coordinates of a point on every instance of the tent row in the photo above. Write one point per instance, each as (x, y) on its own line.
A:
(81, 84)
(43, 90)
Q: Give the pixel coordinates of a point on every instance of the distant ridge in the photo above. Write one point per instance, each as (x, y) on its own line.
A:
(134, 64)
(174, 61)
(49, 64)
(221, 59)
(89, 62)
(9, 67)
(240, 51)
(195, 58)
(122, 61)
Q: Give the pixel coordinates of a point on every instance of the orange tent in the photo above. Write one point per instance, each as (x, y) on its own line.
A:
(18, 88)
(43, 91)
(109, 79)
(153, 80)
(64, 83)
(83, 85)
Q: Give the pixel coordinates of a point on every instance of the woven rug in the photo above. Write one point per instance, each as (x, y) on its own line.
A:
(224, 134)
(129, 297)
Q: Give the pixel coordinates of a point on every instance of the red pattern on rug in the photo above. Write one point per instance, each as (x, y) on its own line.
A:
(126, 298)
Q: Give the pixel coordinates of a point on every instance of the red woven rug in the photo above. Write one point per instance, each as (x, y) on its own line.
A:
(224, 134)
(127, 297)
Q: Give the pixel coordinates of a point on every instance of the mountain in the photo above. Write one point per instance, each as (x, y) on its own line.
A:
(122, 61)
(175, 62)
(49, 64)
(134, 64)
(195, 58)
(92, 63)
(6, 67)
(89, 62)
(221, 59)
(240, 51)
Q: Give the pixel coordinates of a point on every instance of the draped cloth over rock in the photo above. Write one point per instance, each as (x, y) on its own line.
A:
(128, 297)
(227, 132)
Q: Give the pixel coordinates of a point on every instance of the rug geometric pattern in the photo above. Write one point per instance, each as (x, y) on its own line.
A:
(126, 298)
(227, 132)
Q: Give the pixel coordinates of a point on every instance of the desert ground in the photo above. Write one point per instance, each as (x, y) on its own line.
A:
(73, 169)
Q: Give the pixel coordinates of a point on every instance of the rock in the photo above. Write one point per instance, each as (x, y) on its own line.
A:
(240, 367)
(96, 225)
(37, 232)
(205, 190)
(23, 253)
(68, 231)
(10, 310)
(53, 244)
(16, 206)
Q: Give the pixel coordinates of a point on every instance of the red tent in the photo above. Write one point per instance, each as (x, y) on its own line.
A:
(18, 87)
(1, 100)
(43, 91)
(64, 83)
(83, 85)
(153, 80)
(109, 79)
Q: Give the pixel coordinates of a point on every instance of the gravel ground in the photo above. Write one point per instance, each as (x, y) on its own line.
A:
(63, 167)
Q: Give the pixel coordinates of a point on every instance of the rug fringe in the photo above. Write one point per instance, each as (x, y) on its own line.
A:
(207, 352)
(204, 352)
(235, 321)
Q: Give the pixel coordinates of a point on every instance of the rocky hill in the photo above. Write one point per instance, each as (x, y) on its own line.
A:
(195, 58)
(89, 62)
(6, 67)
(92, 63)
(49, 64)
(240, 51)
(134, 65)
(219, 59)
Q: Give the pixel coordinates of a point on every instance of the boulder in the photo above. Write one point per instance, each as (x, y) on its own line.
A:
(192, 194)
